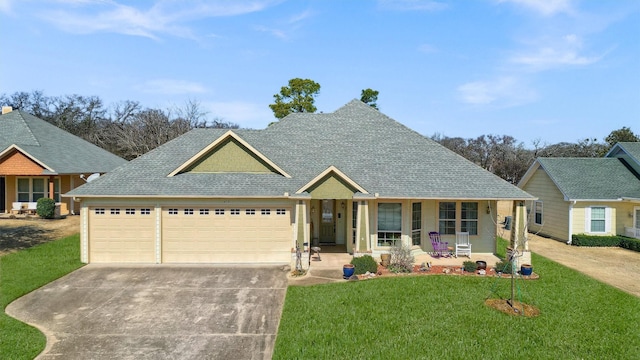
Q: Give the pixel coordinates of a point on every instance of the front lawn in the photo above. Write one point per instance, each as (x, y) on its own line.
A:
(444, 317)
(23, 272)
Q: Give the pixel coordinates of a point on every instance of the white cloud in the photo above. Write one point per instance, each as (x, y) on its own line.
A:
(412, 5)
(565, 51)
(245, 114)
(164, 17)
(544, 7)
(504, 91)
(171, 87)
(280, 34)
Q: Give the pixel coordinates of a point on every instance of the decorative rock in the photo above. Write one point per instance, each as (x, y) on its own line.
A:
(482, 272)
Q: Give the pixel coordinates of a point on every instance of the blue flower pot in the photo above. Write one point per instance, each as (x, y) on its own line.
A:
(526, 270)
(348, 270)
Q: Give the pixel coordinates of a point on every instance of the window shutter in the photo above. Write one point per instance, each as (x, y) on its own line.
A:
(607, 220)
(587, 220)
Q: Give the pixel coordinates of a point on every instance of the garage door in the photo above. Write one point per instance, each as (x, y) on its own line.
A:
(226, 235)
(121, 234)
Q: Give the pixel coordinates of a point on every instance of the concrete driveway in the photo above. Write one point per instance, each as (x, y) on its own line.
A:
(158, 312)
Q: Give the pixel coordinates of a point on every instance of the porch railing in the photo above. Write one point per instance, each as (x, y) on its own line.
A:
(632, 232)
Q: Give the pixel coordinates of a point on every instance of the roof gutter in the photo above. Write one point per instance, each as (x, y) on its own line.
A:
(571, 221)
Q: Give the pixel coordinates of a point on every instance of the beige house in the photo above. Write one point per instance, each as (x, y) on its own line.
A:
(596, 196)
(354, 180)
(38, 159)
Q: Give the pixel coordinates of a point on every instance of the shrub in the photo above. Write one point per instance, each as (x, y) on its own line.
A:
(46, 208)
(401, 259)
(630, 243)
(470, 266)
(504, 267)
(594, 240)
(364, 263)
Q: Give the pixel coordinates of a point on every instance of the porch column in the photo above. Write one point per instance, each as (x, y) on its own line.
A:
(301, 234)
(51, 188)
(519, 239)
(362, 231)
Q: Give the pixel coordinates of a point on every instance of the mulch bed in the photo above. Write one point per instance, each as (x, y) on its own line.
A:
(442, 270)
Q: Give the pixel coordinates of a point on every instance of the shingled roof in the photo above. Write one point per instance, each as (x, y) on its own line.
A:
(592, 178)
(378, 153)
(57, 149)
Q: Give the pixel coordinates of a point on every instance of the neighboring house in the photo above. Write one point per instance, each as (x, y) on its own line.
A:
(596, 196)
(38, 159)
(354, 179)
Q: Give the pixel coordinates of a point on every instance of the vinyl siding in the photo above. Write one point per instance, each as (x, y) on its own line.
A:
(555, 210)
(619, 216)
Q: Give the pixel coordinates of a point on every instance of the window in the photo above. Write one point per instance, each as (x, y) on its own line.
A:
(250, 211)
(130, 211)
(416, 223)
(469, 217)
(145, 211)
(115, 211)
(221, 212)
(265, 212)
(204, 211)
(173, 211)
(389, 224)
(188, 211)
(32, 189)
(447, 218)
(281, 212)
(537, 212)
(99, 211)
(24, 190)
(38, 189)
(235, 211)
(598, 219)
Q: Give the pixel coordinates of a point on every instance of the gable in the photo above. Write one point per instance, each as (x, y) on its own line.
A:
(331, 186)
(230, 156)
(15, 162)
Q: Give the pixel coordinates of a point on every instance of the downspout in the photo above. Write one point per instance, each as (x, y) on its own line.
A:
(570, 221)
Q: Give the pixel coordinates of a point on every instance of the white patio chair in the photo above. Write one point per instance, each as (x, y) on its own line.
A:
(463, 245)
(16, 207)
(32, 207)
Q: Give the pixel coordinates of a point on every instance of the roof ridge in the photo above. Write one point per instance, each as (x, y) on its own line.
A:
(26, 126)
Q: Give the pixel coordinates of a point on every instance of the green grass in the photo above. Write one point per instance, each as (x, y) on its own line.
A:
(23, 272)
(444, 317)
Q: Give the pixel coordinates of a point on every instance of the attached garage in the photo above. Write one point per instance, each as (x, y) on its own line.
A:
(121, 234)
(258, 234)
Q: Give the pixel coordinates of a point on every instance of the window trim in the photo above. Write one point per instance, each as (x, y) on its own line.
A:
(390, 237)
(416, 232)
(536, 212)
(468, 220)
(45, 180)
(588, 219)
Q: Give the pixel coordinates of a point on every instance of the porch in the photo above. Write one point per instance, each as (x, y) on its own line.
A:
(334, 257)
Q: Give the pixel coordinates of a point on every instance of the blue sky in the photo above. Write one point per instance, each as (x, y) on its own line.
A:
(551, 70)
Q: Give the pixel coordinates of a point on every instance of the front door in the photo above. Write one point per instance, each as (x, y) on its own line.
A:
(327, 223)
